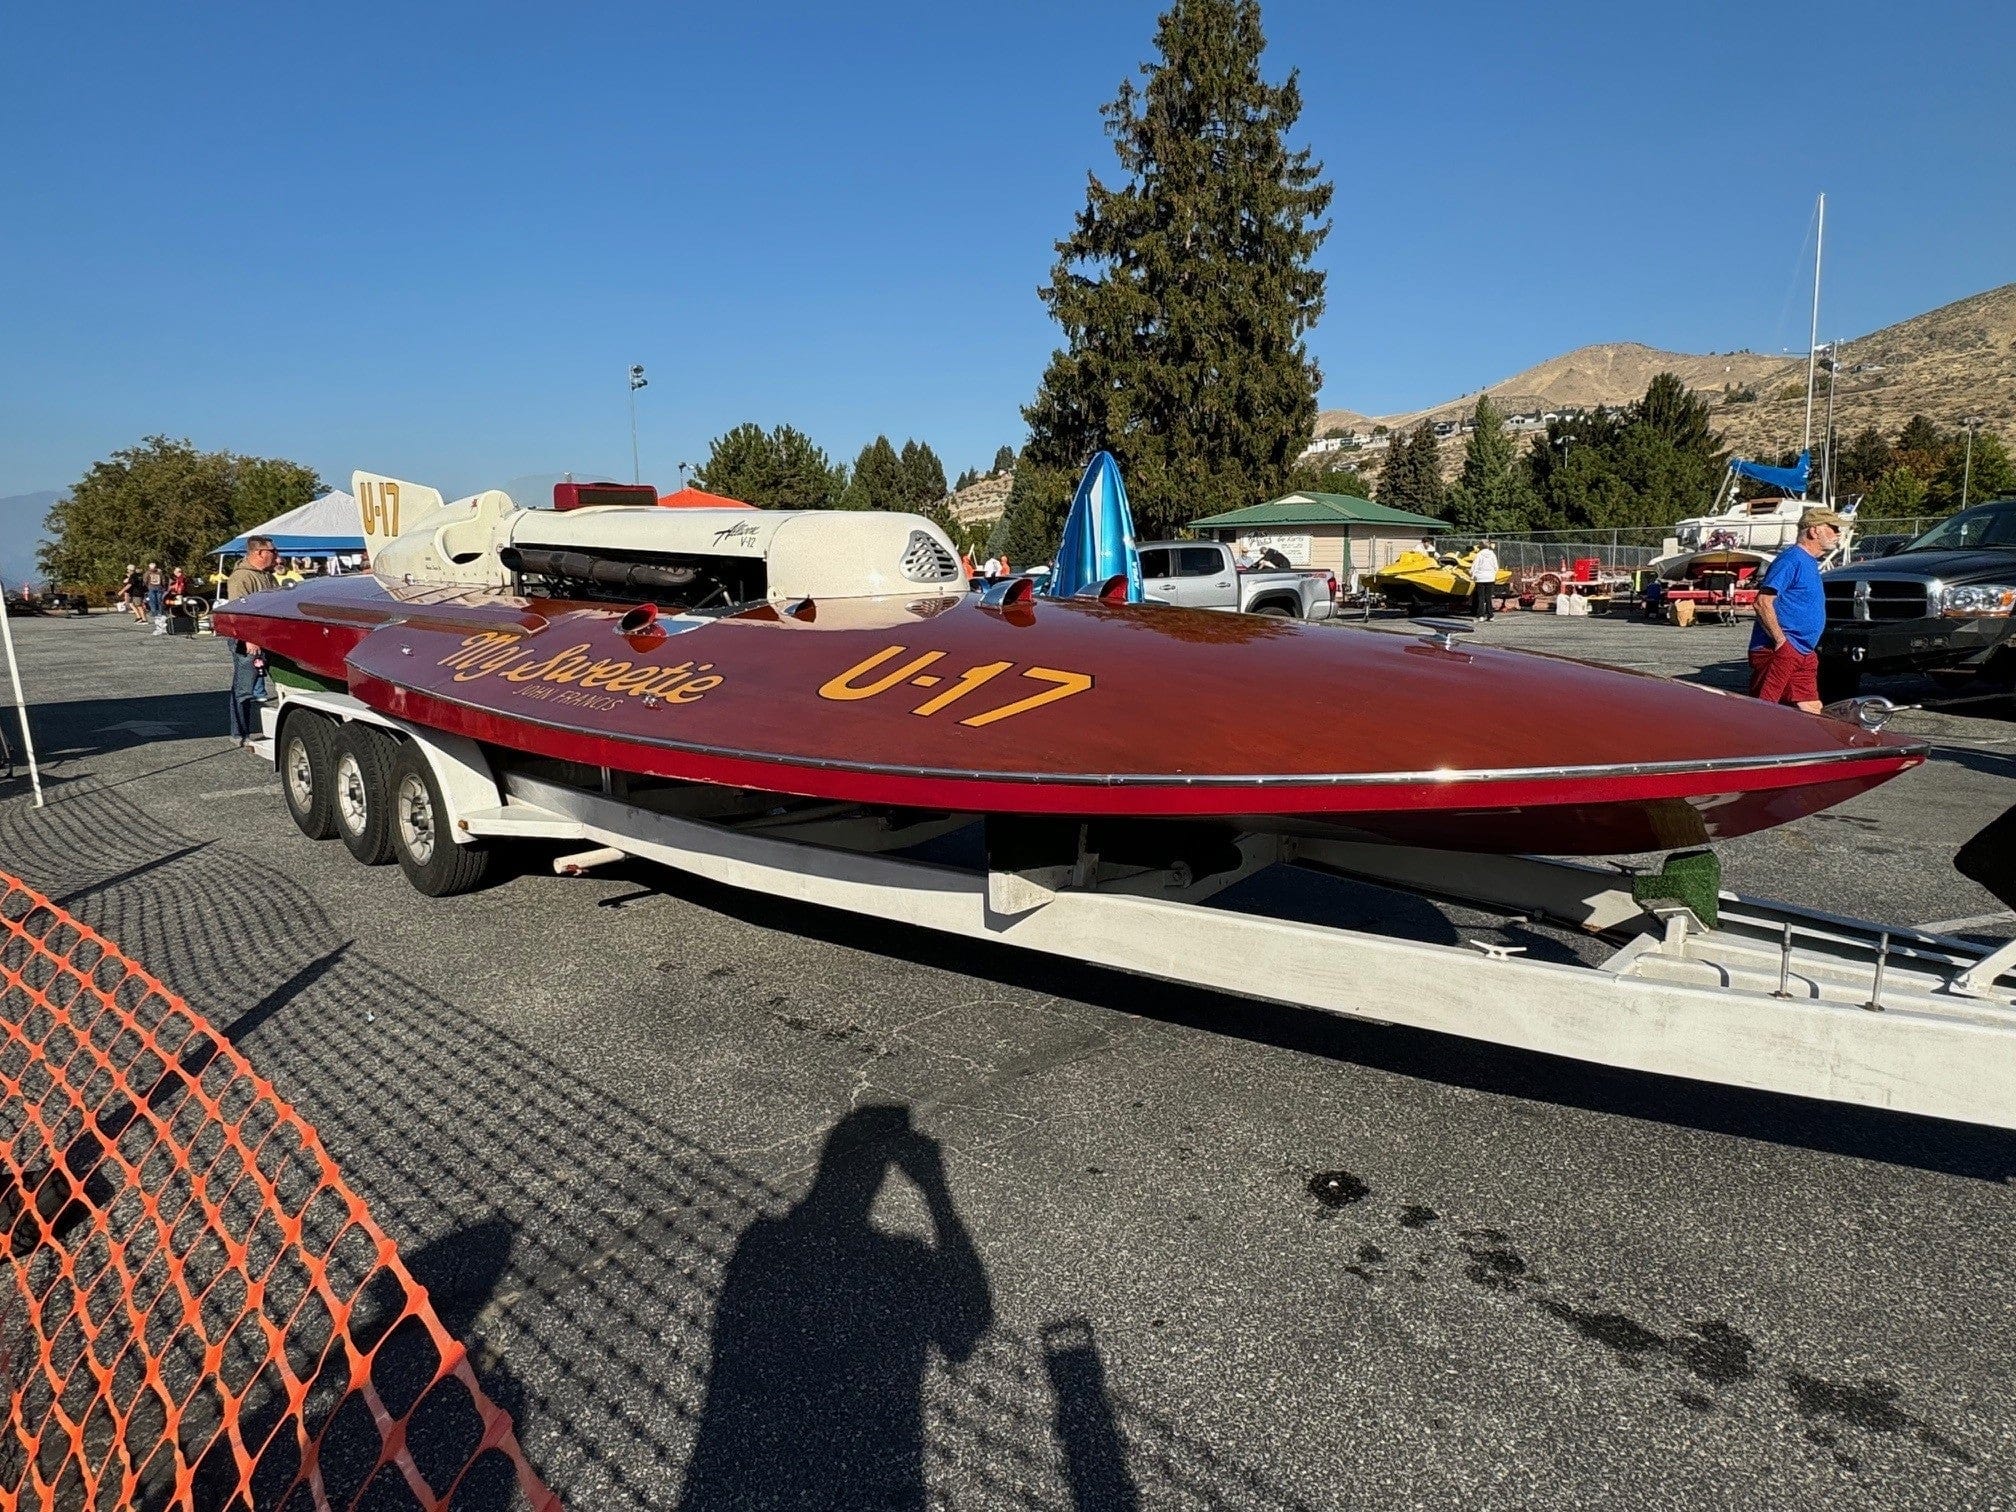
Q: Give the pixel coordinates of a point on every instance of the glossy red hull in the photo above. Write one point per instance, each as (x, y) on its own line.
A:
(1087, 709)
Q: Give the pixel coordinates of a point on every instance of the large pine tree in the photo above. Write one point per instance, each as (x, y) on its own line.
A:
(1493, 494)
(1411, 478)
(1184, 293)
(877, 479)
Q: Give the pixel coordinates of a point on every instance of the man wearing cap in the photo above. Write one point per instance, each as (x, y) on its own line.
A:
(1791, 613)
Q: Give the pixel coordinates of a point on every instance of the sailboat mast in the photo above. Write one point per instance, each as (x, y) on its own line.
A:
(1813, 337)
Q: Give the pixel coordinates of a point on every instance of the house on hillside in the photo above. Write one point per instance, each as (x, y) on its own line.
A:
(1341, 533)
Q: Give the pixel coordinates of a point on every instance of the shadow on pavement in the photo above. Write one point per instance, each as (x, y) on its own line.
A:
(823, 1330)
(74, 729)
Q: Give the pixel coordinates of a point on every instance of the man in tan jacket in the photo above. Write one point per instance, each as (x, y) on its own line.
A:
(248, 662)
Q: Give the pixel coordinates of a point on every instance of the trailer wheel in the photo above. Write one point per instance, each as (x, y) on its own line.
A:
(307, 746)
(426, 851)
(1548, 584)
(360, 792)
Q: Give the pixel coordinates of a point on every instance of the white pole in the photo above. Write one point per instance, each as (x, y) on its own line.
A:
(1827, 430)
(20, 698)
(1813, 338)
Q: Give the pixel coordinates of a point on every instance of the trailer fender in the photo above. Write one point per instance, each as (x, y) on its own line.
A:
(463, 772)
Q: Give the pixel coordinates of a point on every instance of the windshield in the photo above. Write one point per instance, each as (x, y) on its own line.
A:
(1993, 525)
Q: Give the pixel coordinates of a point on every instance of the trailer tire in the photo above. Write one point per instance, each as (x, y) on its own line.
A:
(421, 843)
(360, 791)
(307, 755)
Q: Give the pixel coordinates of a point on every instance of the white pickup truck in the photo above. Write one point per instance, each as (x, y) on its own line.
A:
(1201, 575)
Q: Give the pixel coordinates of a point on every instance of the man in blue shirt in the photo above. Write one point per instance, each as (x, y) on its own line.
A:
(1791, 613)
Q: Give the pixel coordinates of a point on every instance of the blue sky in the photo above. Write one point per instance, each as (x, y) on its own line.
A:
(428, 239)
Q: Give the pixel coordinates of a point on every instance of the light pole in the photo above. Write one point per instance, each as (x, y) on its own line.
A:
(1972, 423)
(637, 381)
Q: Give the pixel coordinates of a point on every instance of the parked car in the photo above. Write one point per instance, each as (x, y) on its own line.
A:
(1941, 604)
(1203, 575)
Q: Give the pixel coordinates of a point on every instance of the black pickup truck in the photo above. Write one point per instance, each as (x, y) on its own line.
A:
(1941, 604)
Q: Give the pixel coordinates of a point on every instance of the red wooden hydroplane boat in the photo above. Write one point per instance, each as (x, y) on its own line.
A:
(840, 656)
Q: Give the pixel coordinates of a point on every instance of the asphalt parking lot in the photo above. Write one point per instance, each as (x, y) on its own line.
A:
(1140, 1245)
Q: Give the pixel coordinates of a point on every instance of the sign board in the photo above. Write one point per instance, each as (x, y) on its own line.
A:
(1293, 547)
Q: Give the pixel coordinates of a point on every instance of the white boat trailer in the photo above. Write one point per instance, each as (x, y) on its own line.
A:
(1768, 996)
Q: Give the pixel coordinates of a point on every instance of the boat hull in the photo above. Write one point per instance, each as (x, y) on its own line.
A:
(1080, 708)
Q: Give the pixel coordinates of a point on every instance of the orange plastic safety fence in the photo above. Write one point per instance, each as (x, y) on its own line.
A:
(196, 1311)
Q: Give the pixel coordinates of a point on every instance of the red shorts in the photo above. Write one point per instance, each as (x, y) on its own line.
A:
(1786, 675)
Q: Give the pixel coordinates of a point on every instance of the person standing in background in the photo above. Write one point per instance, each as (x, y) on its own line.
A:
(1791, 613)
(248, 662)
(1483, 581)
(155, 582)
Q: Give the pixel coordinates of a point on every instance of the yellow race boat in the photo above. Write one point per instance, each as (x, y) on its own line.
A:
(1414, 578)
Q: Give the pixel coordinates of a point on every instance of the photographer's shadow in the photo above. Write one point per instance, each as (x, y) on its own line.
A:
(822, 1332)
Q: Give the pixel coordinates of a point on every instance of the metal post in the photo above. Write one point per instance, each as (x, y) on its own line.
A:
(1827, 431)
(1813, 338)
(637, 381)
(1972, 423)
(20, 698)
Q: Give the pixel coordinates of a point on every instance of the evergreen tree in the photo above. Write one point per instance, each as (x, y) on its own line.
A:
(779, 469)
(1494, 494)
(1431, 494)
(1004, 460)
(1920, 436)
(1184, 293)
(923, 477)
(1412, 476)
(877, 481)
(1864, 458)
(965, 480)
(1396, 473)
(1656, 463)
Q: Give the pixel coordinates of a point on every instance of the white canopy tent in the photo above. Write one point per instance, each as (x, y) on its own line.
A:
(324, 527)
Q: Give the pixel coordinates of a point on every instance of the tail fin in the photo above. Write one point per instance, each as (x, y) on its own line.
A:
(389, 506)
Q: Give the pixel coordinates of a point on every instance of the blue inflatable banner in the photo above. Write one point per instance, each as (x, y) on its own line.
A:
(1098, 536)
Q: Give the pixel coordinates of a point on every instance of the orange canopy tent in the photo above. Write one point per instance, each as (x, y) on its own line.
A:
(694, 498)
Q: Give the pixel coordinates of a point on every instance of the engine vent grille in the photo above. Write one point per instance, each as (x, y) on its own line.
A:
(925, 560)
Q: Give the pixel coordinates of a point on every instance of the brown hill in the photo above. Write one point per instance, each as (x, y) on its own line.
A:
(1957, 360)
(981, 502)
(1946, 364)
